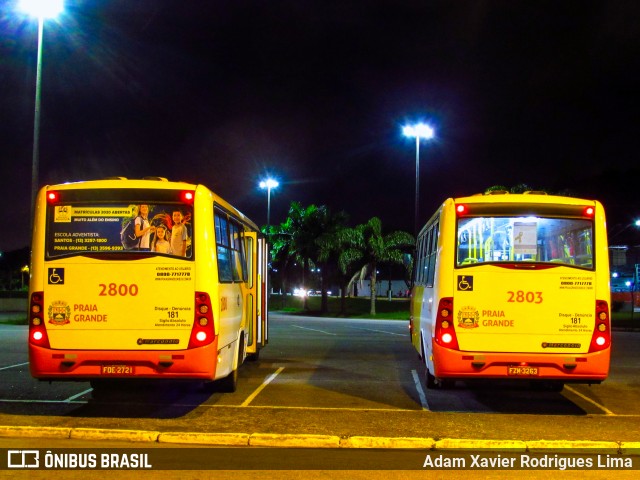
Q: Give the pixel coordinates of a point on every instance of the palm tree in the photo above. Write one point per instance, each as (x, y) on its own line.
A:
(366, 246)
(297, 238)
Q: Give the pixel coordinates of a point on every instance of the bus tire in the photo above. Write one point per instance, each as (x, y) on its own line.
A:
(430, 380)
(548, 385)
(254, 357)
(446, 383)
(554, 386)
(229, 384)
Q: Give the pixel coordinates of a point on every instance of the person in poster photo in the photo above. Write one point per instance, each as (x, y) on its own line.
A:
(143, 228)
(179, 233)
(160, 242)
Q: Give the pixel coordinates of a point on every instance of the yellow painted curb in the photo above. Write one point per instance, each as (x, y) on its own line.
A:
(470, 444)
(387, 442)
(292, 440)
(108, 434)
(630, 448)
(576, 446)
(34, 432)
(225, 439)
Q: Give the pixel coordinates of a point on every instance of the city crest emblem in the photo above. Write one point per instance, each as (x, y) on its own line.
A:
(59, 313)
(468, 317)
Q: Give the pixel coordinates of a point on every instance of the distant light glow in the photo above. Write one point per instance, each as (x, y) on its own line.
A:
(42, 8)
(421, 130)
(269, 183)
(637, 223)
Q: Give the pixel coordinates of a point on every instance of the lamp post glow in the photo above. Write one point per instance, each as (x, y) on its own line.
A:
(41, 9)
(269, 183)
(418, 131)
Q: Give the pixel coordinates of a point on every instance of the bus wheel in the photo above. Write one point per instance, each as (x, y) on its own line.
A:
(229, 384)
(548, 386)
(430, 380)
(556, 386)
(446, 383)
(254, 357)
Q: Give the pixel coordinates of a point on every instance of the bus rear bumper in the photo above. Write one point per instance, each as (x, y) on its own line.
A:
(83, 365)
(568, 367)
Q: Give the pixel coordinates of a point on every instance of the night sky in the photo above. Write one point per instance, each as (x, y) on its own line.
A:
(315, 93)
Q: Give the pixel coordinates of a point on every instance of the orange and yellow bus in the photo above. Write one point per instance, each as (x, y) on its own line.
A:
(144, 279)
(513, 286)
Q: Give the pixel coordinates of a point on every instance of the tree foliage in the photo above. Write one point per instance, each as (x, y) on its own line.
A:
(313, 236)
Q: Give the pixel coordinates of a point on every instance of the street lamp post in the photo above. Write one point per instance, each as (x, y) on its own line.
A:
(418, 131)
(269, 183)
(41, 9)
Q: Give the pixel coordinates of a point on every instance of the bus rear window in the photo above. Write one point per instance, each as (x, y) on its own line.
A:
(119, 228)
(565, 241)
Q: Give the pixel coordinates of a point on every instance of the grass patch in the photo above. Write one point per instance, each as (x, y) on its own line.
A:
(13, 318)
(625, 319)
(358, 307)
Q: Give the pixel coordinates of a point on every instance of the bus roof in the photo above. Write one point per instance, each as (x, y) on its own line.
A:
(159, 183)
(527, 197)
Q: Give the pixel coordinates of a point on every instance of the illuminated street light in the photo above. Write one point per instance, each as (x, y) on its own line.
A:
(418, 131)
(269, 183)
(40, 9)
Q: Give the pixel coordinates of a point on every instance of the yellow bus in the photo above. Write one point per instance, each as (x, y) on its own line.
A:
(144, 279)
(513, 286)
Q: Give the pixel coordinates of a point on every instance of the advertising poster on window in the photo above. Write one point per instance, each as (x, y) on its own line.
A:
(524, 238)
(116, 228)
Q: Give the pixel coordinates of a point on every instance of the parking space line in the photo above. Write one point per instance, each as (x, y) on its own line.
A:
(14, 366)
(380, 331)
(266, 382)
(593, 402)
(423, 397)
(78, 395)
(314, 330)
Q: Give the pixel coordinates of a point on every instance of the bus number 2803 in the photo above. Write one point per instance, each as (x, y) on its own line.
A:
(521, 297)
(114, 290)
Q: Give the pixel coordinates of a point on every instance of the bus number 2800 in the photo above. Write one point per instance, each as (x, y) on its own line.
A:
(114, 290)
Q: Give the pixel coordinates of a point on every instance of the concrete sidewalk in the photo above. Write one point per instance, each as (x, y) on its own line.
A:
(319, 441)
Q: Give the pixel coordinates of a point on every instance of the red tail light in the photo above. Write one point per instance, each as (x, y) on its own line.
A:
(188, 196)
(445, 333)
(37, 330)
(52, 197)
(601, 338)
(203, 331)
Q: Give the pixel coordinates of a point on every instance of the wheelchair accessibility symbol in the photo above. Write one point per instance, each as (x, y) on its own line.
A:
(465, 283)
(56, 276)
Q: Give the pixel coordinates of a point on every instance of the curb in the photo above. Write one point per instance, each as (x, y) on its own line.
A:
(320, 441)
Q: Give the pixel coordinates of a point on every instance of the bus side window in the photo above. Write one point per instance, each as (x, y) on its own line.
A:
(420, 261)
(432, 251)
(223, 247)
(238, 267)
